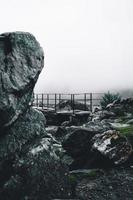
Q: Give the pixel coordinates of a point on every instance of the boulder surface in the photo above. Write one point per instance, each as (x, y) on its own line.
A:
(29, 156)
(21, 61)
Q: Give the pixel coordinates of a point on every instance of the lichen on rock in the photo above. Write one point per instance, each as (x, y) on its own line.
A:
(21, 61)
(28, 154)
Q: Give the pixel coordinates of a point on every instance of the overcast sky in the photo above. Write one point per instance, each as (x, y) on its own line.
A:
(88, 44)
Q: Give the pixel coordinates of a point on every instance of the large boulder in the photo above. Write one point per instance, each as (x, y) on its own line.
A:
(30, 158)
(37, 174)
(28, 127)
(113, 146)
(90, 148)
(29, 155)
(78, 145)
(21, 61)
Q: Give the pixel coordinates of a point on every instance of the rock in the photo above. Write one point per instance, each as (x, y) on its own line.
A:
(112, 185)
(118, 120)
(21, 61)
(96, 109)
(104, 114)
(51, 129)
(51, 117)
(113, 146)
(58, 132)
(65, 117)
(82, 117)
(66, 123)
(97, 126)
(34, 171)
(19, 136)
(30, 158)
(104, 150)
(78, 142)
(69, 105)
(78, 145)
(73, 121)
(61, 132)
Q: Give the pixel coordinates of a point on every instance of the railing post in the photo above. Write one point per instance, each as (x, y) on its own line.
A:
(42, 101)
(91, 106)
(59, 99)
(47, 101)
(55, 101)
(73, 103)
(85, 100)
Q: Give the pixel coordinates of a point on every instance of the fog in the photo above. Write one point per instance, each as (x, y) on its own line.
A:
(88, 44)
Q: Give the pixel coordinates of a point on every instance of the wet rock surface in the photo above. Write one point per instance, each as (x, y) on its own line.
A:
(21, 61)
(112, 185)
(113, 146)
(30, 158)
(38, 173)
(70, 104)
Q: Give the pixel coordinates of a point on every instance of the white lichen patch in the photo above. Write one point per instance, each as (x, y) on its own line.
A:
(44, 145)
(102, 146)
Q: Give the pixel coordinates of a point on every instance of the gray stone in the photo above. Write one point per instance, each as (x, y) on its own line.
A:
(77, 143)
(113, 146)
(30, 158)
(111, 185)
(21, 61)
(28, 127)
(97, 126)
(38, 173)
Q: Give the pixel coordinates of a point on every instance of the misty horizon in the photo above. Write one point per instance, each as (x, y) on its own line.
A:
(88, 45)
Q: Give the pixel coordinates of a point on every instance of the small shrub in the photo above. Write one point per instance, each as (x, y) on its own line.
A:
(109, 98)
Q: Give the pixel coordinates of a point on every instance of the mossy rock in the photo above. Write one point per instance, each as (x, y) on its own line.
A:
(126, 131)
(76, 175)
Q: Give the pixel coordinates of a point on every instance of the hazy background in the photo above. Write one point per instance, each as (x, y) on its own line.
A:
(88, 44)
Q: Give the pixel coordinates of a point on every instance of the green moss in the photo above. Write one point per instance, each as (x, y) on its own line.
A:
(126, 131)
(92, 173)
(108, 98)
(72, 179)
(80, 174)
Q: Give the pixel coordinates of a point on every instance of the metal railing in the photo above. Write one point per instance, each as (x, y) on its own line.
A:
(55, 100)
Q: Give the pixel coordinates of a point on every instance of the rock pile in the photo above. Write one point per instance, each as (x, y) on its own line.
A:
(102, 152)
(70, 105)
(33, 164)
(89, 148)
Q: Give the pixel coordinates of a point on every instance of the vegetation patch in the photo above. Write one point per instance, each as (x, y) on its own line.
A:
(126, 131)
(108, 98)
(83, 173)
